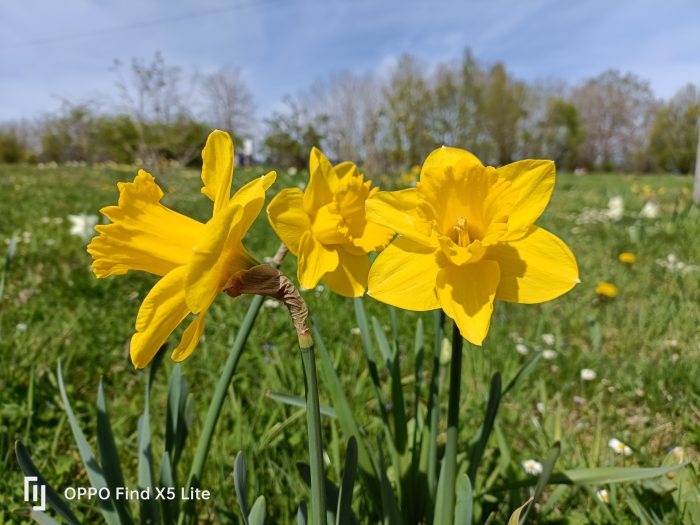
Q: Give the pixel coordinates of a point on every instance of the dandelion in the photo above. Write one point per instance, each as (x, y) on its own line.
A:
(619, 447)
(532, 467)
(196, 261)
(549, 355)
(467, 237)
(606, 289)
(326, 227)
(627, 258)
(82, 225)
(603, 496)
(587, 374)
(521, 349)
(616, 208)
(649, 211)
(548, 339)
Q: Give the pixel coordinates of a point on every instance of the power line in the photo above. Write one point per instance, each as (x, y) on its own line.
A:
(138, 25)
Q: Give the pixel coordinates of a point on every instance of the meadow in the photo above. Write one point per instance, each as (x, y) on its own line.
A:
(639, 352)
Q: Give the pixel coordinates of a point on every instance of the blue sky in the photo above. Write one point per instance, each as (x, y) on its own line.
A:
(51, 50)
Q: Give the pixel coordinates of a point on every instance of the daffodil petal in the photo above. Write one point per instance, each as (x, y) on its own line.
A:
(533, 180)
(251, 198)
(536, 268)
(288, 218)
(404, 275)
(322, 179)
(349, 279)
(466, 294)
(217, 168)
(315, 260)
(444, 157)
(190, 338)
(163, 309)
(217, 256)
(144, 234)
(374, 237)
(398, 211)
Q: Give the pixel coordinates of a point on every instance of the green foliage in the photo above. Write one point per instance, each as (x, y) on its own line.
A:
(643, 346)
(290, 136)
(13, 150)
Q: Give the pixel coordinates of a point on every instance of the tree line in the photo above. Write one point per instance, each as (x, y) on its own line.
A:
(384, 121)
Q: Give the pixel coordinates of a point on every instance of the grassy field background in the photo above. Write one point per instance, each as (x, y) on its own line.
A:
(644, 346)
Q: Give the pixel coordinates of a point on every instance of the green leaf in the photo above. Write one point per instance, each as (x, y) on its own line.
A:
(94, 472)
(167, 480)
(257, 513)
(601, 476)
(383, 343)
(340, 402)
(300, 402)
(344, 514)
(148, 508)
(239, 484)
(524, 371)
(464, 508)
(42, 518)
(53, 500)
(491, 411)
(109, 455)
(302, 514)
(544, 476)
(515, 517)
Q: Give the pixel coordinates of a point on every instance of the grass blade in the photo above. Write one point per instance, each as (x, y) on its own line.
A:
(239, 484)
(515, 517)
(344, 515)
(53, 500)
(464, 508)
(170, 507)
(94, 472)
(257, 513)
(149, 512)
(299, 402)
(486, 428)
(109, 457)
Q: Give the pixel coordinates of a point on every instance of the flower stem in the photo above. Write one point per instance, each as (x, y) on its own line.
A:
(313, 423)
(200, 456)
(449, 462)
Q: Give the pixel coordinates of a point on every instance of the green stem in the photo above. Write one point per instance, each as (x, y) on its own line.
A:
(313, 423)
(450, 460)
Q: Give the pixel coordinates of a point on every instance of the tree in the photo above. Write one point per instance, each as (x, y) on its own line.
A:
(229, 102)
(673, 137)
(291, 134)
(615, 111)
(502, 108)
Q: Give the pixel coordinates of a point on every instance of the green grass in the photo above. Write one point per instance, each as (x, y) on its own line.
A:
(644, 346)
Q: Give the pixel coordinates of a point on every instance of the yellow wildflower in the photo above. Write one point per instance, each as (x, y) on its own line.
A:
(195, 261)
(627, 258)
(606, 289)
(466, 237)
(326, 227)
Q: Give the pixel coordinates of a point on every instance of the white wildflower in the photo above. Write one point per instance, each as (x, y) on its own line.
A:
(603, 496)
(616, 208)
(549, 355)
(21, 327)
(532, 467)
(548, 339)
(619, 447)
(587, 374)
(83, 225)
(649, 211)
(355, 331)
(271, 303)
(521, 348)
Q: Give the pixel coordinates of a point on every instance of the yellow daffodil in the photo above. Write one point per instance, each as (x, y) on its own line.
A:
(466, 237)
(195, 261)
(627, 258)
(326, 228)
(606, 289)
